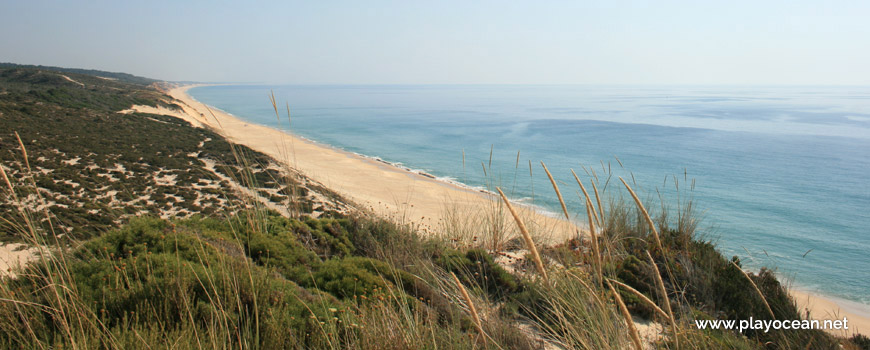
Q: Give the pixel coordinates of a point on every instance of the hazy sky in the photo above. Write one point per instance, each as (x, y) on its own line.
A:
(586, 42)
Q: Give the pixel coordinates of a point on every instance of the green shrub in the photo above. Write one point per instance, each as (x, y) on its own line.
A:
(709, 284)
(280, 249)
(477, 268)
(326, 237)
(345, 278)
(860, 341)
(154, 276)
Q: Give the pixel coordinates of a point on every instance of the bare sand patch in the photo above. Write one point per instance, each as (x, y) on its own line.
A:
(14, 255)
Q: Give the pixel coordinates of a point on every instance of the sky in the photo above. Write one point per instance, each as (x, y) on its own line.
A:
(449, 42)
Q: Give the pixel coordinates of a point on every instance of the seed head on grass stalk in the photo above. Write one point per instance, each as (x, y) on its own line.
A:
(471, 309)
(8, 183)
(531, 180)
(558, 193)
(586, 194)
(597, 196)
(595, 251)
(274, 104)
(649, 220)
(23, 152)
(632, 330)
(491, 147)
(664, 292)
(528, 238)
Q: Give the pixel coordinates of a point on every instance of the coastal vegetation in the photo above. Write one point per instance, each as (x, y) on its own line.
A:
(93, 167)
(153, 233)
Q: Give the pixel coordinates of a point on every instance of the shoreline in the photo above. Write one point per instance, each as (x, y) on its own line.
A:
(824, 307)
(427, 194)
(398, 166)
(389, 190)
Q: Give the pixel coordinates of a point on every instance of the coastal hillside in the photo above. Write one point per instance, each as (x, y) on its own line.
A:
(121, 77)
(152, 232)
(96, 164)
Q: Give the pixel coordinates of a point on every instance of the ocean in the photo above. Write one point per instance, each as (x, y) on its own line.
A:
(781, 175)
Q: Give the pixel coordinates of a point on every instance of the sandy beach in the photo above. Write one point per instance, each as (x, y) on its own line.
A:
(414, 198)
(436, 206)
(826, 308)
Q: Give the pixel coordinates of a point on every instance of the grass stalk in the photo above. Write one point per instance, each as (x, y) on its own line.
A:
(594, 237)
(586, 194)
(471, 309)
(642, 297)
(757, 290)
(649, 220)
(558, 193)
(664, 293)
(635, 337)
(528, 238)
(598, 198)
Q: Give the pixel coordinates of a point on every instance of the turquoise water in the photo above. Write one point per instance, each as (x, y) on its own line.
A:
(779, 171)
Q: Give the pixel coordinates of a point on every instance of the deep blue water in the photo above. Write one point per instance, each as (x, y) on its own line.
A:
(778, 170)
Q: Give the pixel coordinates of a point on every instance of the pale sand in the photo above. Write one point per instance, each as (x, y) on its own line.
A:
(388, 190)
(13, 256)
(826, 308)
